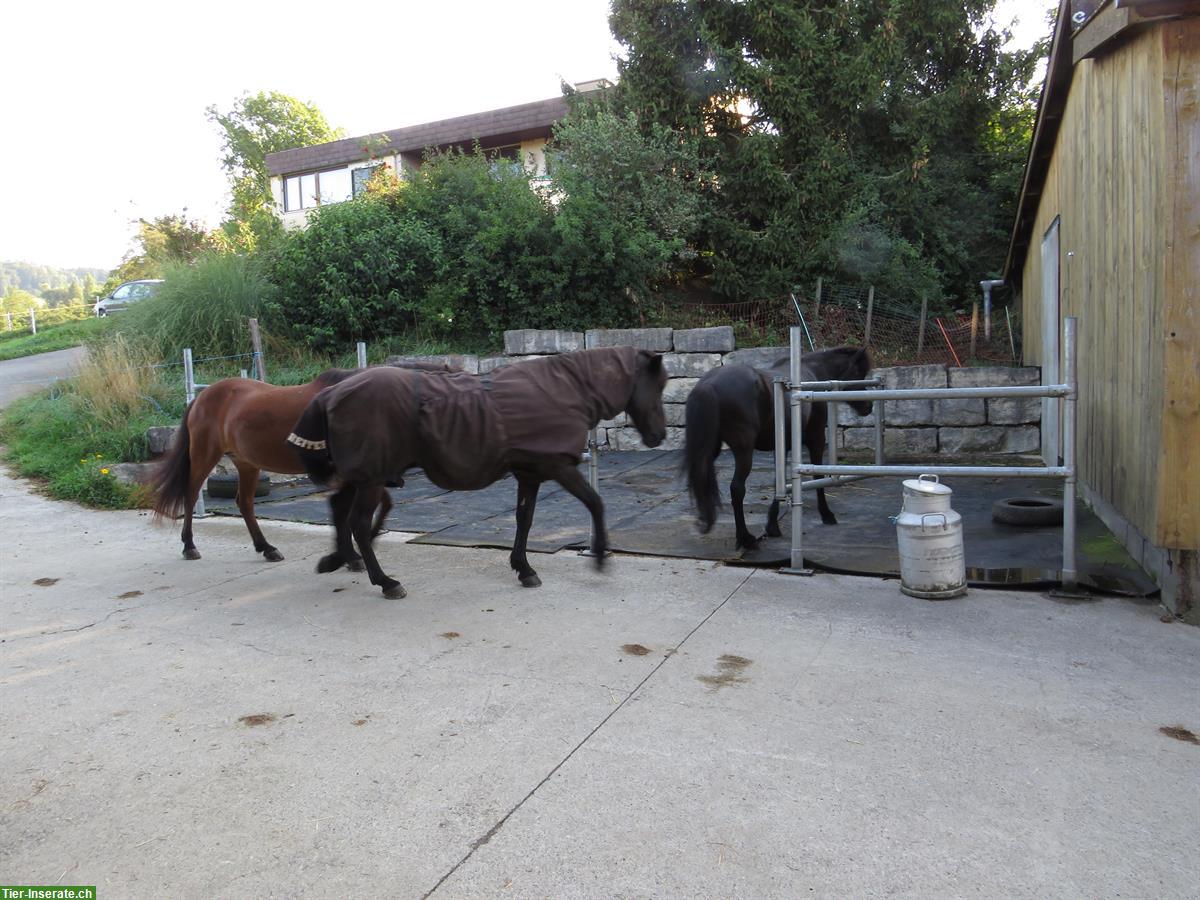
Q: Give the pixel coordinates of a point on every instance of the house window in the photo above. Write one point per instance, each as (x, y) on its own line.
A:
(316, 189)
(362, 177)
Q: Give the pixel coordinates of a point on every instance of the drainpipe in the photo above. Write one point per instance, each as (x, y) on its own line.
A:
(987, 305)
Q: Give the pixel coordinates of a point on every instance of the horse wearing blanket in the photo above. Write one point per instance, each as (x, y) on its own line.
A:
(467, 431)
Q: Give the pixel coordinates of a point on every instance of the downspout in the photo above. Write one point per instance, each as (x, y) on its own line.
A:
(987, 305)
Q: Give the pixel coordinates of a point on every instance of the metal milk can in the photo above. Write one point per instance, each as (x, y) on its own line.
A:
(929, 535)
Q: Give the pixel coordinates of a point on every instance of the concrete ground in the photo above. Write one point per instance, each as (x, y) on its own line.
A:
(665, 728)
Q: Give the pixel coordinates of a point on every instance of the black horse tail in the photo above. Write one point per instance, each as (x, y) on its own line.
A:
(171, 481)
(310, 440)
(701, 442)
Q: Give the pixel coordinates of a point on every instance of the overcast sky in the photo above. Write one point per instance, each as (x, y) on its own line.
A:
(103, 104)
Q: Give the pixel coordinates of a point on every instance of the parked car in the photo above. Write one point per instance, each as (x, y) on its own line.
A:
(129, 292)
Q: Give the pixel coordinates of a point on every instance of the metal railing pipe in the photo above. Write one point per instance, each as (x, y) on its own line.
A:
(940, 471)
(797, 423)
(1070, 574)
(1023, 390)
(780, 438)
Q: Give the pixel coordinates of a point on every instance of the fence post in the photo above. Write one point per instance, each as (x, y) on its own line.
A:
(974, 326)
(33, 319)
(256, 343)
(8, 321)
(189, 390)
(361, 347)
(870, 309)
(817, 309)
(921, 327)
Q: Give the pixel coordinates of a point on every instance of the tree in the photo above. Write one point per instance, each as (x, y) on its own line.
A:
(889, 122)
(160, 242)
(17, 302)
(255, 126)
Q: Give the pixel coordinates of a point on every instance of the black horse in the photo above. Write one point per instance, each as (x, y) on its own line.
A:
(467, 431)
(733, 405)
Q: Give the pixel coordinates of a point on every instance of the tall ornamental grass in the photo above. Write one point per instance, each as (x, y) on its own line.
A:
(203, 305)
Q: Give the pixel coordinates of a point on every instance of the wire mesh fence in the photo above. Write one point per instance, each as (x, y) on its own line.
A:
(45, 317)
(834, 314)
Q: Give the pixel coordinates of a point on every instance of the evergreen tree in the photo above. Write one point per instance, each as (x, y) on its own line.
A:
(875, 137)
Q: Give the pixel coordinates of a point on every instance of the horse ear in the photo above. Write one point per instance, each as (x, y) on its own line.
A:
(862, 359)
(656, 363)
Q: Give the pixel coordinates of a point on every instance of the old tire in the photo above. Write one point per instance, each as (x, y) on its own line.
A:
(225, 486)
(1027, 511)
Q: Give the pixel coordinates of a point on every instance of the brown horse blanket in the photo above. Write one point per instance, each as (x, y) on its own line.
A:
(463, 429)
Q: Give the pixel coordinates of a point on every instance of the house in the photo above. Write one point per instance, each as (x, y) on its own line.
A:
(1108, 230)
(307, 177)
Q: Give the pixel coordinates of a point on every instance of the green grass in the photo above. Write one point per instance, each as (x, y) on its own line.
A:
(14, 344)
(67, 435)
(52, 438)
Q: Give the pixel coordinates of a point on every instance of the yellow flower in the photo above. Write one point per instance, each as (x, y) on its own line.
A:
(104, 471)
(98, 456)
(83, 460)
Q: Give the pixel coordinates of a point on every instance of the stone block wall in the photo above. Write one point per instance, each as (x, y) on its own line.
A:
(911, 427)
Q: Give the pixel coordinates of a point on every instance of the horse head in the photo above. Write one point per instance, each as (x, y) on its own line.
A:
(858, 366)
(645, 407)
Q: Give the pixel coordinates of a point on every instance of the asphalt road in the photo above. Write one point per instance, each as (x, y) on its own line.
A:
(665, 728)
(27, 374)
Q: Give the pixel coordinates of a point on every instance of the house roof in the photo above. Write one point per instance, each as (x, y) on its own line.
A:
(495, 128)
(1103, 26)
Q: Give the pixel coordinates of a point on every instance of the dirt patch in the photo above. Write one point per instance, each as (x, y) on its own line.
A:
(129, 595)
(729, 671)
(634, 649)
(46, 582)
(1180, 734)
(450, 635)
(257, 719)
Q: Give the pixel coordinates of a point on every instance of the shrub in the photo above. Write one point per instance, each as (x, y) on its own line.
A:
(203, 305)
(360, 270)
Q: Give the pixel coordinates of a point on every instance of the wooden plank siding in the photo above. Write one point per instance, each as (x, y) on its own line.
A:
(1107, 182)
(1179, 456)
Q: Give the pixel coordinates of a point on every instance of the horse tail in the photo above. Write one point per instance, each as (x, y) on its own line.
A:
(310, 440)
(702, 441)
(171, 481)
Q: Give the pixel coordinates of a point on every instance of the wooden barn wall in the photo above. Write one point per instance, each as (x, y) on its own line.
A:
(1106, 182)
(1179, 456)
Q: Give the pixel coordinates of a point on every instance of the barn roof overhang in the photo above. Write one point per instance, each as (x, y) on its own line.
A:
(1112, 22)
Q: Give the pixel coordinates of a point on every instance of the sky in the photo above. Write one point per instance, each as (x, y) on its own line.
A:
(103, 105)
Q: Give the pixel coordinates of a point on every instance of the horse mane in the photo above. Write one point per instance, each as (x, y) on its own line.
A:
(333, 376)
(834, 360)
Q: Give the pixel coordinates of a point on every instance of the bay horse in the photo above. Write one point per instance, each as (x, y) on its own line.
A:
(250, 420)
(467, 431)
(734, 405)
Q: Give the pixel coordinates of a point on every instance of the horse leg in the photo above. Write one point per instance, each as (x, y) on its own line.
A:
(773, 519)
(385, 507)
(247, 485)
(527, 493)
(189, 546)
(576, 485)
(816, 452)
(742, 462)
(365, 501)
(344, 554)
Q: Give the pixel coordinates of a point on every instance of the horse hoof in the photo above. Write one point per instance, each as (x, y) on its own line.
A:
(531, 581)
(329, 563)
(396, 592)
(773, 531)
(272, 555)
(830, 521)
(746, 543)
(191, 553)
(356, 565)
